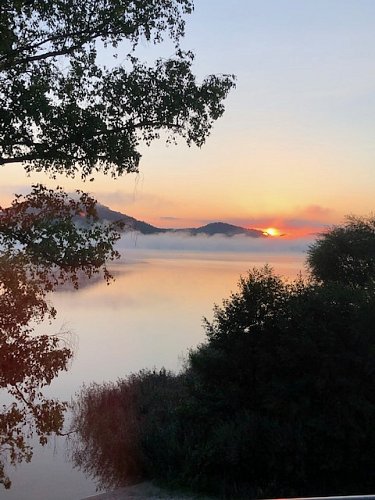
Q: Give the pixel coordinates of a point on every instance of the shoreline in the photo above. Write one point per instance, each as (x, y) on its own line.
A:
(144, 491)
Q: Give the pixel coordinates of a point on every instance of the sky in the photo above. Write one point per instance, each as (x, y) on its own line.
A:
(295, 147)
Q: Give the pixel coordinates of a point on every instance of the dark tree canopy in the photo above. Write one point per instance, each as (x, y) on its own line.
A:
(61, 111)
(284, 390)
(346, 253)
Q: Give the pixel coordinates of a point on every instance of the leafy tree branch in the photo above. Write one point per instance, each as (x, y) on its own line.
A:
(61, 111)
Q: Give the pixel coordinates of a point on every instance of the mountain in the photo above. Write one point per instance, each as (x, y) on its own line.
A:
(221, 228)
(132, 224)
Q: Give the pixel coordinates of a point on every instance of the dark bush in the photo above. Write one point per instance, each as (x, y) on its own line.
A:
(287, 376)
(346, 253)
(125, 432)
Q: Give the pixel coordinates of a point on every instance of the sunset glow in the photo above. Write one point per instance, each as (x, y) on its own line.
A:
(271, 231)
(213, 163)
(283, 131)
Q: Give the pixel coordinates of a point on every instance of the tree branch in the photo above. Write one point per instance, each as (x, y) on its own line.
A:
(20, 159)
(87, 37)
(39, 57)
(40, 156)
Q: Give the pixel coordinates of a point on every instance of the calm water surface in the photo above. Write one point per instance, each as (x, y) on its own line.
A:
(149, 317)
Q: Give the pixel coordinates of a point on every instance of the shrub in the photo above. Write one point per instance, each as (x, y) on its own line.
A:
(287, 377)
(278, 401)
(125, 431)
(346, 253)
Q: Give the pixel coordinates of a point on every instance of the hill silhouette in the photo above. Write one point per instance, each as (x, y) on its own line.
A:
(132, 224)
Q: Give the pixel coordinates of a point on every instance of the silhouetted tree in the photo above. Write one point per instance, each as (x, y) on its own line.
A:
(345, 253)
(63, 112)
(283, 390)
(58, 236)
(46, 239)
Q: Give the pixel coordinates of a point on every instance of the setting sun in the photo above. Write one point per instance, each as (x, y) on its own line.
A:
(271, 231)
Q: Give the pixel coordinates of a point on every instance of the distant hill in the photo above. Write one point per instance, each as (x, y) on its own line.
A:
(132, 224)
(222, 228)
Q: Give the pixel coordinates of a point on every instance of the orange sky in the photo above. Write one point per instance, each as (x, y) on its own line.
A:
(295, 147)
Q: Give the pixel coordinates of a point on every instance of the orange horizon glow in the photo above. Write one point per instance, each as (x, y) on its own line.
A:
(286, 232)
(271, 231)
(278, 229)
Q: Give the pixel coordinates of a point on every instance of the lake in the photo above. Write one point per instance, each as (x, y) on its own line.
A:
(148, 317)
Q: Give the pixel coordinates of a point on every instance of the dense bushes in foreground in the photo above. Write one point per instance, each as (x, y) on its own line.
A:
(278, 401)
(122, 426)
(287, 377)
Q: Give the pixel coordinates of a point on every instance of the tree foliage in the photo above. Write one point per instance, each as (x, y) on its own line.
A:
(27, 363)
(63, 112)
(346, 253)
(285, 380)
(47, 240)
(118, 427)
(278, 401)
(58, 236)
